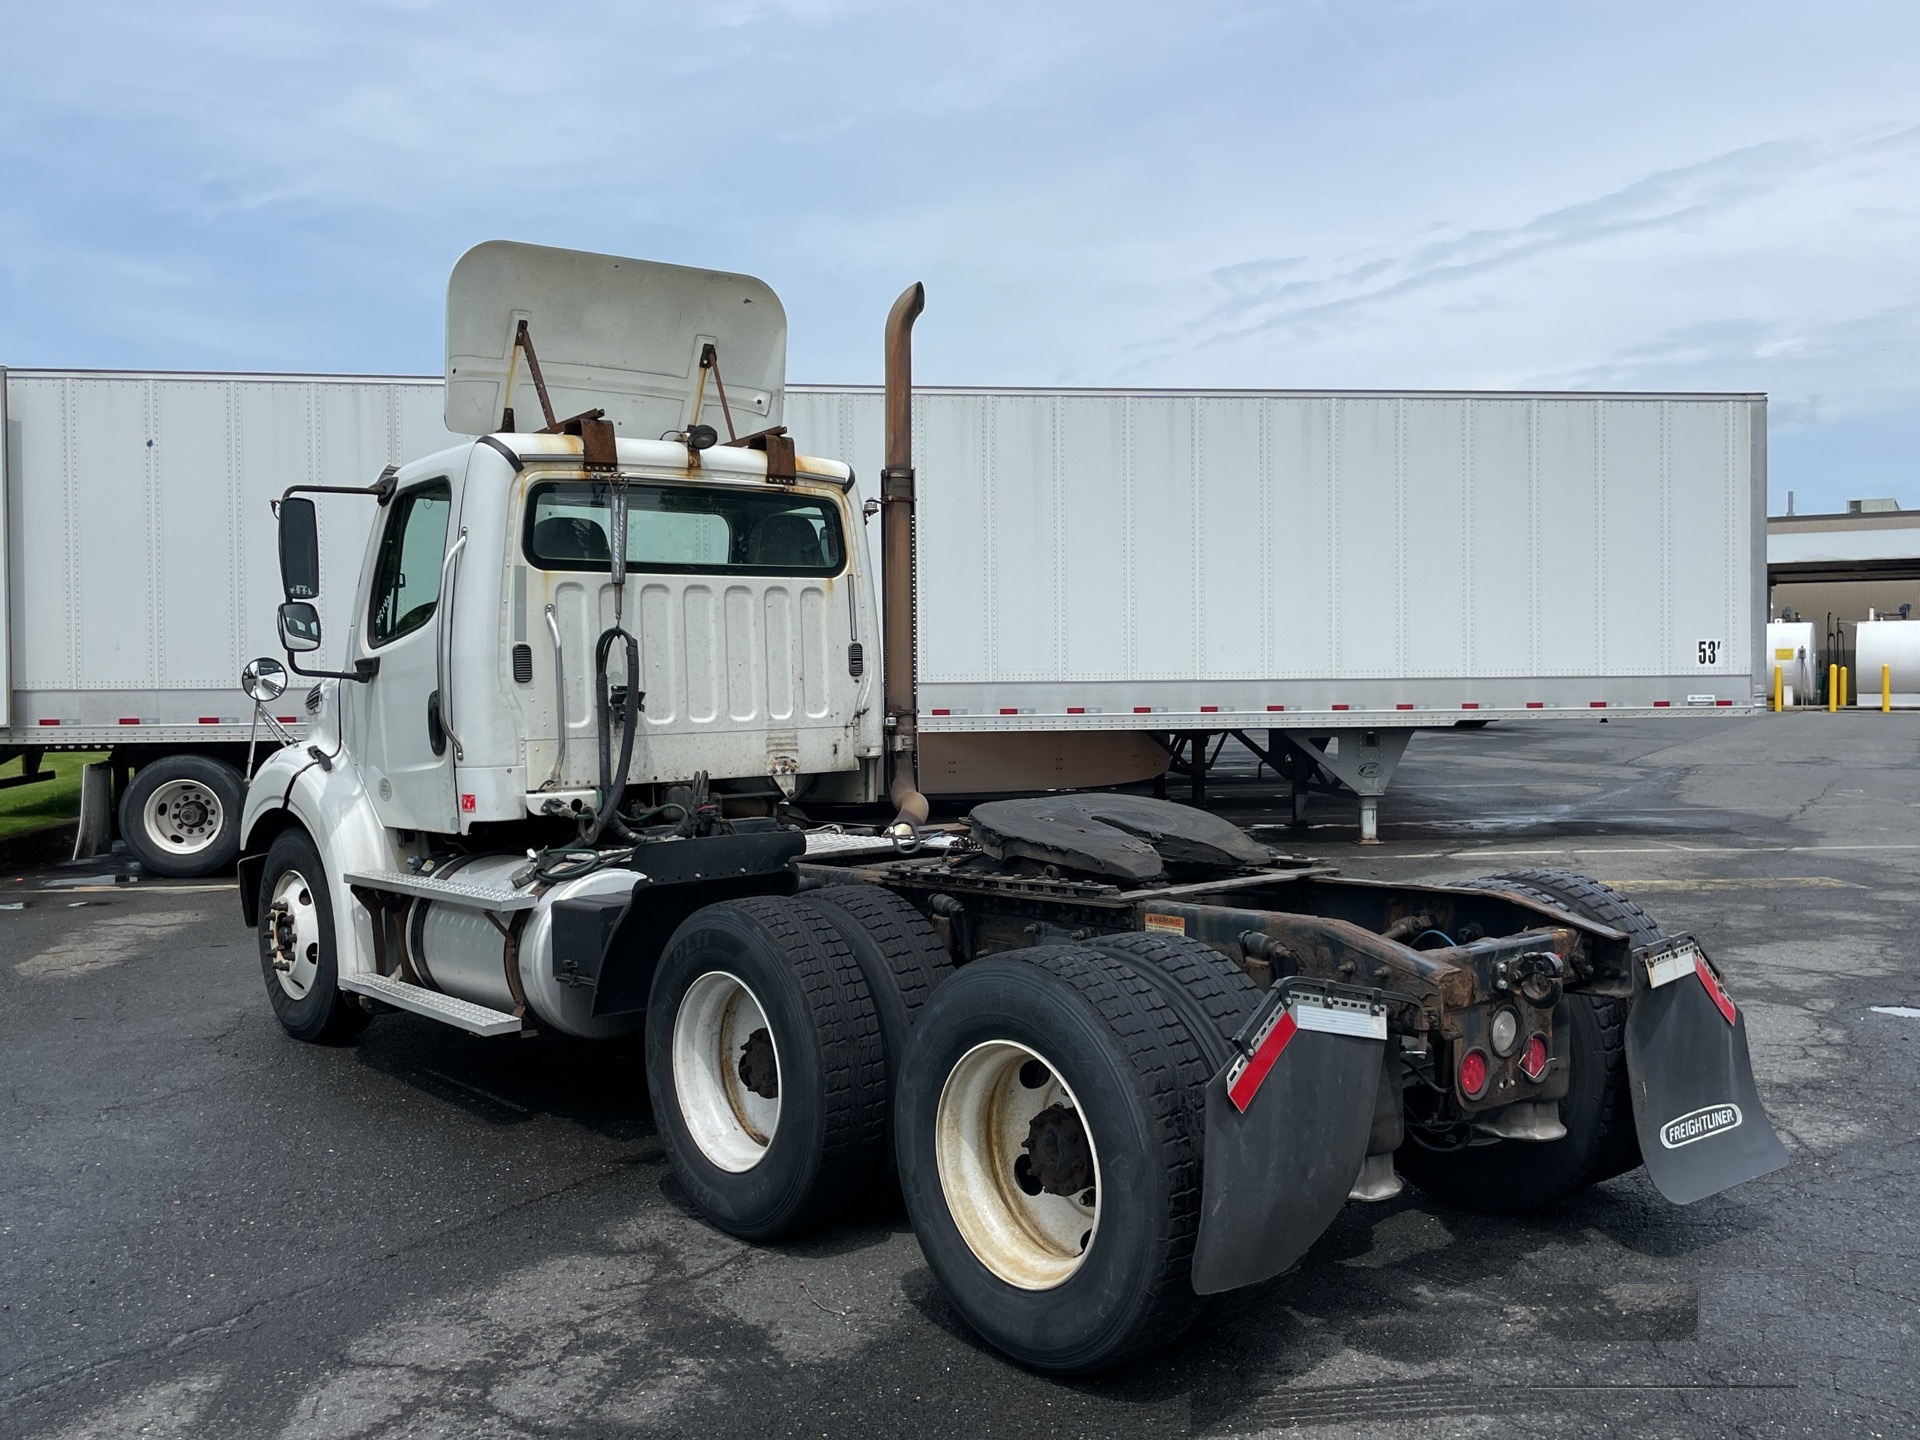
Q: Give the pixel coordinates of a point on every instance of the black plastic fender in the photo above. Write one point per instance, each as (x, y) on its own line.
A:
(1701, 1125)
(1287, 1125)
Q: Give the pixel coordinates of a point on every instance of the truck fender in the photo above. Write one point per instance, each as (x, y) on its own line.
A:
(1288, 1119)
(1696, 1108)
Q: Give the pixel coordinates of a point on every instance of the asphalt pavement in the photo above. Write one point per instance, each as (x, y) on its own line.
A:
(209, 1230)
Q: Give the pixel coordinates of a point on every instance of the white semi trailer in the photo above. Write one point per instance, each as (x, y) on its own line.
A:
(1109, 575)
(1119, 1056)
(136, 570)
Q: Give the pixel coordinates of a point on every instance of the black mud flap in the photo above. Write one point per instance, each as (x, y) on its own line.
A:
(1702, 1128)
(1287, 1125)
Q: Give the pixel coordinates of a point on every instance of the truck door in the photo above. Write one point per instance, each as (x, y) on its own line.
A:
(405, 753)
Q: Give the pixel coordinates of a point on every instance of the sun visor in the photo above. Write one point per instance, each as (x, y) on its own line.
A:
(624, 336)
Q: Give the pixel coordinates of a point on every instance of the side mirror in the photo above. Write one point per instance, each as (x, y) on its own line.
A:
(299, 551)
(299, 629)
(264, 679)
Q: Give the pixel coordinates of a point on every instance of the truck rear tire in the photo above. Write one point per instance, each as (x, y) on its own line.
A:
(766, 1066)
(899, 954)
(1050, 1126)
(181, 815)
(298, 957)
(1512, 1176)
(1214, 995)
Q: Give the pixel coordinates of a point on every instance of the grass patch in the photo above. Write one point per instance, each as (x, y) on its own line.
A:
(45, 802)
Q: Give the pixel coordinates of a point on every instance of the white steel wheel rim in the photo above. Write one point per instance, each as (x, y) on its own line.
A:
(732, 1123)
(183, 817)
(987, 1107)
(293, 934)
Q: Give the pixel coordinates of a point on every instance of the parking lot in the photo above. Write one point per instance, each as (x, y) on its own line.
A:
(207, 1229)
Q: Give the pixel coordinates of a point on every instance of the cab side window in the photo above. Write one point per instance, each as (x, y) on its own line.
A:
(406, 577)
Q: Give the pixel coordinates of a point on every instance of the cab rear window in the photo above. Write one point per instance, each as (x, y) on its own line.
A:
(683, 529)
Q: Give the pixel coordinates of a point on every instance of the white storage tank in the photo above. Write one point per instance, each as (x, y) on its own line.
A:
(1892, 643)
(1794, 648)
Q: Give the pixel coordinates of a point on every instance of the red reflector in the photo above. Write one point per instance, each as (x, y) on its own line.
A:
(1536, 705)
(1533, 1059)
(1005, 711)
(1403, 707)
(1076, 709)
(49, 722)
(1596, 704)
(209, 719)
(1209, 709)
(1276, 708)
(129, 719)
(1723, 702)
(943, 712)
(1662, 704)
(1342, 707)
(288, 719)
(1473, 1074)
(1143, 709)
(1469, 704)
(1248, 1084)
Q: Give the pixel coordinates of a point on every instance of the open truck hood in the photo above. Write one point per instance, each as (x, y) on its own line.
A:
(611, 333)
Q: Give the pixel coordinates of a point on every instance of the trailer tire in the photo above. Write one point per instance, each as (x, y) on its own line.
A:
(181, 815)
(1078, 1045)
(1511, 1176)
(766, 1066)
(296, 924)
(900, 956)
(1214, 996)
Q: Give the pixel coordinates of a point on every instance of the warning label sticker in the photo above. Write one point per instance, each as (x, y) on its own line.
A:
(1166, 924)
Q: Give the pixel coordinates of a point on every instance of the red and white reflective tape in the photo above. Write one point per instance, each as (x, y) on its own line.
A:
(1330, 1015)
(1716, 992)
(1686, 960)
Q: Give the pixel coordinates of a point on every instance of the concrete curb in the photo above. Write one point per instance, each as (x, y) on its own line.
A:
(46, 845)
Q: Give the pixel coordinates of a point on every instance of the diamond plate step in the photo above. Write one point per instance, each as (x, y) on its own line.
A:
(431, 1003)
(497, 898)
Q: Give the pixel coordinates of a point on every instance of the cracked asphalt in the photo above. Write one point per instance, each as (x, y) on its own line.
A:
(208, 1230)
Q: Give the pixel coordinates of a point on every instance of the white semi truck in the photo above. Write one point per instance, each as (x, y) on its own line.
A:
(1118, 1056)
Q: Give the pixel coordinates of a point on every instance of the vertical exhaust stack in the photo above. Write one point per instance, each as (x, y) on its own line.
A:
(897, 562)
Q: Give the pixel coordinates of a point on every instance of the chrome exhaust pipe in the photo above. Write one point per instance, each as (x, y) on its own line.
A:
(900, 695)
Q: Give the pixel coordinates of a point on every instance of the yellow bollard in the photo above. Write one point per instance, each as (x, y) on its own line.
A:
(1846, 683)
(1778, 689)
(1886, 689)
(1833, 688)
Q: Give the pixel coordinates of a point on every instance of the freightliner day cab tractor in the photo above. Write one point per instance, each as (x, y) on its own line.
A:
(1117, 1056)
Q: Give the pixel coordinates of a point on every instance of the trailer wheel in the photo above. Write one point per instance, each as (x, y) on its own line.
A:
(765, 1066)
(298, 958)
(181, 815)
(1050, 1121)
(1510, 1176)
(899, 954)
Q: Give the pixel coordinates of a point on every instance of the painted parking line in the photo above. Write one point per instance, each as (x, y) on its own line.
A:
(1756, 882)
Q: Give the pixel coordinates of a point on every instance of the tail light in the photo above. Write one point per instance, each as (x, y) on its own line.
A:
(1533, 1059)
(1473, 1074)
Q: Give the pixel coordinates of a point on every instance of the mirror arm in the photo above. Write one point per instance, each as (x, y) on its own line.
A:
(363, 670)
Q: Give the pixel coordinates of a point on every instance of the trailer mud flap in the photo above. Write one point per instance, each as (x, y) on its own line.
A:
(1287, 1125)
(1701, 1125)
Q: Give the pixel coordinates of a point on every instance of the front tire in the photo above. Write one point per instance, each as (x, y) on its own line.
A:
(181, 815)
(298, 957)
(1049, 1122)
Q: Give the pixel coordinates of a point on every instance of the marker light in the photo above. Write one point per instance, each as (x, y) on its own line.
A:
(1473, 1074)
(1533, 1059)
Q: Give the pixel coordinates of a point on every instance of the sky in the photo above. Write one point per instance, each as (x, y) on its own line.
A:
(1446, 194)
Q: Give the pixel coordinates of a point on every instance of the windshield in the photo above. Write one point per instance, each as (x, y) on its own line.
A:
(679, 529)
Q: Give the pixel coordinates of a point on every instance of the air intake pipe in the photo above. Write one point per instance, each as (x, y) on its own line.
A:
(896, 563)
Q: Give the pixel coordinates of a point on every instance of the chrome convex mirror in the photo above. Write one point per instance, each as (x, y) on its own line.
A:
(264, 679)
